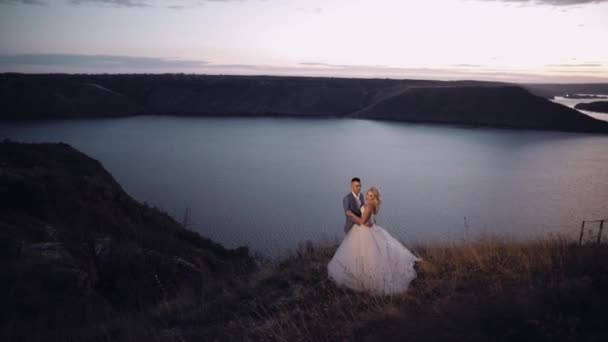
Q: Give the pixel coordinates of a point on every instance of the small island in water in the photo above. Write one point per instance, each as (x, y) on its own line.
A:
(83, 261)
(596, 106)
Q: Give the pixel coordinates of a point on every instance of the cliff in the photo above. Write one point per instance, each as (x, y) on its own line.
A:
(77, 251)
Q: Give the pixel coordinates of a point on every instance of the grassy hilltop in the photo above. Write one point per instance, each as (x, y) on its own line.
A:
(80, 260)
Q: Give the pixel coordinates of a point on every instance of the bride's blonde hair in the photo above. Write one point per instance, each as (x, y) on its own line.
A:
(376, 194)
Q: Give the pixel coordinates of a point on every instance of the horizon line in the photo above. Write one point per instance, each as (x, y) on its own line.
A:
(602, 81)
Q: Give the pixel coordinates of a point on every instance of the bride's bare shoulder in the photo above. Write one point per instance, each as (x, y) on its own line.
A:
(375, 207)
(372, 207)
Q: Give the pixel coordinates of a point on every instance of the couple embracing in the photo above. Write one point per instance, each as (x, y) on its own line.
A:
(369, 258)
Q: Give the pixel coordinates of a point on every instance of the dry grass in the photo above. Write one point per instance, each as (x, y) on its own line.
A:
(487, 289)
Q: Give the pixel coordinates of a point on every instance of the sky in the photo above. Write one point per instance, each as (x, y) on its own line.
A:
(505, 40)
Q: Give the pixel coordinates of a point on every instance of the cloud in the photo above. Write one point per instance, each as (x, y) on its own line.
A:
(552, 2)
(96, 64)
(121, 3)
(95, 61)
(182, 4)
(580, 65)
(329, 65)
(464, 65)
(27, 2)
(552, 73)
(171, 4)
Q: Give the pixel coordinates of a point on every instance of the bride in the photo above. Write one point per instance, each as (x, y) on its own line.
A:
(369, 258)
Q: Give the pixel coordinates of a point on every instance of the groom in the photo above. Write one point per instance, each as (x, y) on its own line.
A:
(352, 203)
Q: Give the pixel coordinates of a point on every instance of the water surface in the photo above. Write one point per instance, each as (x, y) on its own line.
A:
(270, 183)
(573, 102)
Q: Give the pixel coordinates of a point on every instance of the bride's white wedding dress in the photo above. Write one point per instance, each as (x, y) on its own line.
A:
(370, 259)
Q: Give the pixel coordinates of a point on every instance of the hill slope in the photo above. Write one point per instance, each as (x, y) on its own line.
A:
(504, 106)
(31, 96)
(82, 261)
(76, 250)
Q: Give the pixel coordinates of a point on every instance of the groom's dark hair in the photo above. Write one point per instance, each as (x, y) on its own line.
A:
(355, 180)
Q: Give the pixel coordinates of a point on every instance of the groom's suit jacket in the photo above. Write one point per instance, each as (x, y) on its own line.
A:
(350, 203)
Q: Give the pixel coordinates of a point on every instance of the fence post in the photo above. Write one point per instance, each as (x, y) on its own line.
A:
(599, 235)
(580, 239)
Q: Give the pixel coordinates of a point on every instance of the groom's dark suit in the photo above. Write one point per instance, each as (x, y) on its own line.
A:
(350, 203)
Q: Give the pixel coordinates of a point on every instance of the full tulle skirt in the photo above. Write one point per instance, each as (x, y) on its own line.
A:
(370, 259)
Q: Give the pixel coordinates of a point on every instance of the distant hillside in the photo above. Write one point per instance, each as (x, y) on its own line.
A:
(596, 106)
(505, 105)
(550, 90)
(31, 96)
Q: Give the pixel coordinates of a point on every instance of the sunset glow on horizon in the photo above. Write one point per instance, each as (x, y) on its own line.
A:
(508, 40)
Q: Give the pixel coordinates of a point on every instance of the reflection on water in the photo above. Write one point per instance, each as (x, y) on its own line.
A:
(271, 183)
